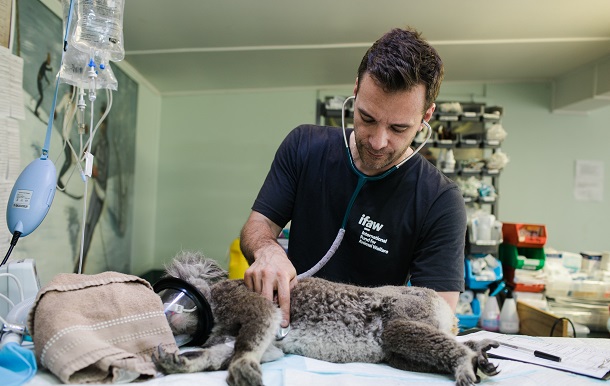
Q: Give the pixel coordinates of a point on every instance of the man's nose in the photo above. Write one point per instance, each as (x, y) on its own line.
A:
(378, 138)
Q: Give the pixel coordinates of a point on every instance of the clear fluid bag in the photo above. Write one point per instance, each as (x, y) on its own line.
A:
(75, 67)
(97, 25)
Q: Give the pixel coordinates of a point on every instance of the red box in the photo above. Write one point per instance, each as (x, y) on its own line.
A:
(524, 235)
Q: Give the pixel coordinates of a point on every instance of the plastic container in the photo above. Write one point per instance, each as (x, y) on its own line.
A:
(490, 317)
(449, 161)
(522, 257)
(524, 235)
(590, 290)
(509, 318)
(475, 282)
(558, 287)
(474, 245)
(237, 262)
(470, 321)
(591, 262)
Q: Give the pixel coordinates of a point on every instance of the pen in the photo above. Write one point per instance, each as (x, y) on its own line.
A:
(539, 354)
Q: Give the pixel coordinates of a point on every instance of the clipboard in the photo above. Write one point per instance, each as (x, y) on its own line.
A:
(576, 357)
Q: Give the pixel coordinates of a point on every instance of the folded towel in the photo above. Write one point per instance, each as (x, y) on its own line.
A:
(99, 328)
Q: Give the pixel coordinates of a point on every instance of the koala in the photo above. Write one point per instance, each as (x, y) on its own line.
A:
(409, 328)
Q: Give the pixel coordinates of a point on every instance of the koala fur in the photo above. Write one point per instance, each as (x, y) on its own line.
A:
(409, 328)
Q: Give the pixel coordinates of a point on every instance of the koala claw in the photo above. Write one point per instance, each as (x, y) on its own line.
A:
(483, 363)
(169, 362)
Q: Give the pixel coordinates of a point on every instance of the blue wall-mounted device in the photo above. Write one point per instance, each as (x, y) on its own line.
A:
(31, 197)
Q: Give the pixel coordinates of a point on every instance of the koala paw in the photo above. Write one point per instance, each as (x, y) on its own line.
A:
(482, 361)
(245, 372)
(466, 372)
(170, 362)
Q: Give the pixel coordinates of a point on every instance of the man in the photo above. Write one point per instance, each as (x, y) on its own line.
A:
(409, 225)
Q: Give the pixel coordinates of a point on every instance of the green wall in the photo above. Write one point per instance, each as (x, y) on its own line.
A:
(538, 185)
(214, 152)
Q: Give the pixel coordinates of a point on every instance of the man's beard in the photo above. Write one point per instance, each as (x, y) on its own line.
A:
(378, 163)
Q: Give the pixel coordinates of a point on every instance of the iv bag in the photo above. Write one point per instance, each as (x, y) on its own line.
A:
(74, 68)
(105, 76)
(98, 26)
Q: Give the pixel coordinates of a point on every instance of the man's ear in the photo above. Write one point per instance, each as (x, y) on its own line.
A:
(428, 114)
(356, 87)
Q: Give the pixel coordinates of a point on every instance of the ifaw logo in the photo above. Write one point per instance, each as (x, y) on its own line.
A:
(369, 224)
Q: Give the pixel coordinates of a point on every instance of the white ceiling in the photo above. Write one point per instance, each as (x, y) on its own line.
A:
(184, 46)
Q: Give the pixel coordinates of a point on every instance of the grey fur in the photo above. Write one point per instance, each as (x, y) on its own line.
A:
(409, 328)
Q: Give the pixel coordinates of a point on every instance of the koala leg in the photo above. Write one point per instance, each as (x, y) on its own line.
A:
(418, 346)
(259, 320)
(253, 341)
(211, 358)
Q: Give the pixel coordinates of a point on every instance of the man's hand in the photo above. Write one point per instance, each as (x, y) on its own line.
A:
(273, 276)
(271, 273)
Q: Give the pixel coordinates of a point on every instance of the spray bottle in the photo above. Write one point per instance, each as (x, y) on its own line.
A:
(509, 318)
(490, 317)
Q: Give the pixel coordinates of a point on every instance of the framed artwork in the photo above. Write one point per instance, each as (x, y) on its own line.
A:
(102, 206)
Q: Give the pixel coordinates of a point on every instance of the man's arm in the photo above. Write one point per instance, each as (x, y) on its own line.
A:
(270, 269)
(451, 298)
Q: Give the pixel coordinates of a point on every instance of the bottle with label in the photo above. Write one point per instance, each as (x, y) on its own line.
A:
(490, 317)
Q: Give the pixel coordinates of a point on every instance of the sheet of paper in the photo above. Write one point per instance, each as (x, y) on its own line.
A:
(17, 107)
(589, 180)
(575, 357)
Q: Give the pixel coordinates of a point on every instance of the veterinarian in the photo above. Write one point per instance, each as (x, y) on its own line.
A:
(408, 225)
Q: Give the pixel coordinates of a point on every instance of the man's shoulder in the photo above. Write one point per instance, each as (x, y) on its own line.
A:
(316, 131)
(434, 183)
(314, 137)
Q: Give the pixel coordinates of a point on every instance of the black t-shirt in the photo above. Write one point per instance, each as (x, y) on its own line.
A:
(409, 225)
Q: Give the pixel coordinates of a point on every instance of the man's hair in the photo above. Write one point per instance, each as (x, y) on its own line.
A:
(402, 59)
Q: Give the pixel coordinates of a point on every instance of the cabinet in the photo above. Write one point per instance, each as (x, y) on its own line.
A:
(462, 130)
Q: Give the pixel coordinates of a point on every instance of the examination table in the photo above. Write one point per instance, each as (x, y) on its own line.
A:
(294, 370)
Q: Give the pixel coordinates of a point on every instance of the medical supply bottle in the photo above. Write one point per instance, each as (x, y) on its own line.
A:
(509, 318)
(449, 161)
(490, 318)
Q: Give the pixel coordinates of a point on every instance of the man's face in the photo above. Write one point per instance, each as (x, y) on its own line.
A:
(385, 125)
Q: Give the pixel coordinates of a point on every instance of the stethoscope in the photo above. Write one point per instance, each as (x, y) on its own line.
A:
(362, 179)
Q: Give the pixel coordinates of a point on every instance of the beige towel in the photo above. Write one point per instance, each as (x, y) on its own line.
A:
(99, 328)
